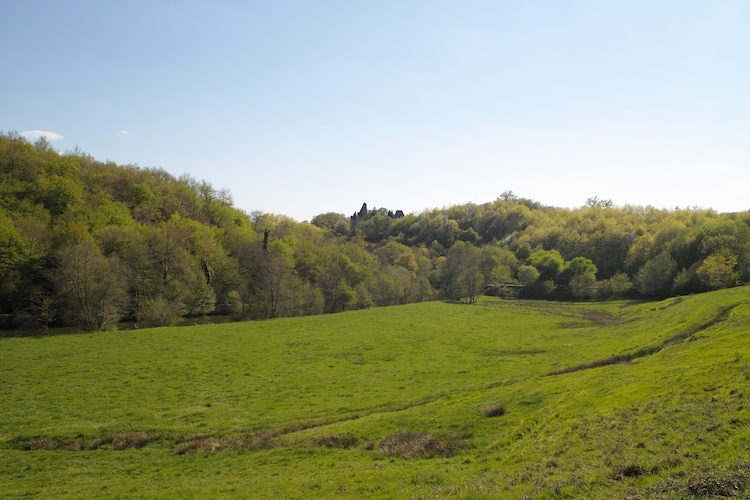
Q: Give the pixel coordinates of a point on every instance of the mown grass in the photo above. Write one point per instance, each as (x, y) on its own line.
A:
(391, 403)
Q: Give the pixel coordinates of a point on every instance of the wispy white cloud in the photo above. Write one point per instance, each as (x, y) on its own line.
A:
(36, 134)
(124, 132)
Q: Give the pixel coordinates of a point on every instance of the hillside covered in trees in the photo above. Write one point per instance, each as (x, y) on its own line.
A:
(91, 243)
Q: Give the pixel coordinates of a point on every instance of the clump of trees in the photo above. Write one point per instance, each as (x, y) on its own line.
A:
(517, 247)
(91, 243)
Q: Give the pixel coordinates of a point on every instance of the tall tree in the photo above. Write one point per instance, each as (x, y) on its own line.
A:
(462, 277)
(91, 285)
(718, 269)
(656, 275)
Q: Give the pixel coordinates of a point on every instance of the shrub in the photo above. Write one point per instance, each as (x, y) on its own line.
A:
(632, 470)
(200, 445)
(412, 444)
(46, 444)
(85, 444)
(494, 410)
(337, 441)
(129, 440)
(728, 482)
(159, 312)
(244, 442)
(123, 441)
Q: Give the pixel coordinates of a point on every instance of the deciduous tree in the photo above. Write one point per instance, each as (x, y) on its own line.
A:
(91, 285)
(718, 269)
(656, 275)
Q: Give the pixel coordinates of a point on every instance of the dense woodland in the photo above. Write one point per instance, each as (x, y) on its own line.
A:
(90, 244)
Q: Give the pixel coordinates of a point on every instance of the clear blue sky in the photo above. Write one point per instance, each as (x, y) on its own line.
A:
(306, 107)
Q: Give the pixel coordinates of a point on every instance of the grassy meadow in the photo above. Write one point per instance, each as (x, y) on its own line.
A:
(500, 399)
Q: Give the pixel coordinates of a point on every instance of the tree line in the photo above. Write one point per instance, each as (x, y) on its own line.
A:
(91, 243)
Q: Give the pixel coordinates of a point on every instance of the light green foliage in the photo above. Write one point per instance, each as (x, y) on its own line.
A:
(336, 223)
(528, 275)
(180, 240)
(462, 277)
(202, 298)
(275, 280)
(100, 213)
(577, 267)
(498, 264)
(158, 311)
(469, 236)
(717, 270)
(316, 407)
(549, 263)
(57, 194)
(375, 228)
(617, 286)
(348, 277)
(469, 284)
(580, 276)
(396, 254)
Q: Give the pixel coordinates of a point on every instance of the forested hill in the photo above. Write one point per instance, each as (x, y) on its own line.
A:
(90, 243)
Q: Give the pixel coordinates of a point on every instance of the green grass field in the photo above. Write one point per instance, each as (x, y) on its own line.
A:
(650, 400)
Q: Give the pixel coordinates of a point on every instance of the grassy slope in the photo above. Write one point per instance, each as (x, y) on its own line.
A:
(670, 424)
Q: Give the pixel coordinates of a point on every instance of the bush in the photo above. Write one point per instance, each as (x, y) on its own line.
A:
(159, 312)
(130, 440)
(337, 441)
(412, 444)
(630, 470)
(494, 410)
(122, 441)
(46, 444)
(244, 442)
(728, 482)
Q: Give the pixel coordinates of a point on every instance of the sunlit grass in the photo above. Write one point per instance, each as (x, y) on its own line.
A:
(305, 407)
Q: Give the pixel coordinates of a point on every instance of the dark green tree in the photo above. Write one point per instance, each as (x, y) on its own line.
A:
(657, 275)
